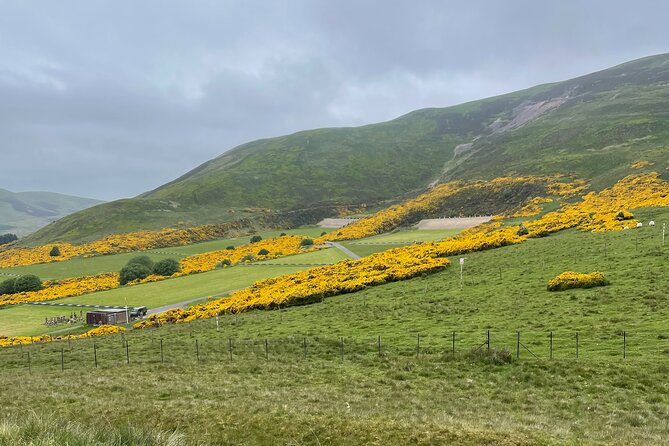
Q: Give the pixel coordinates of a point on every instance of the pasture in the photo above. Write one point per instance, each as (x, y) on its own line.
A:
(424, 392)
(108, 263)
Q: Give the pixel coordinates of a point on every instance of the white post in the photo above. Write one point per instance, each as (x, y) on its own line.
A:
(462, 264)
(217, 322)
(127, 315)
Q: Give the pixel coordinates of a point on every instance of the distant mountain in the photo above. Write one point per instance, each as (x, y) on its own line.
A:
(594, 126)
(22, 213)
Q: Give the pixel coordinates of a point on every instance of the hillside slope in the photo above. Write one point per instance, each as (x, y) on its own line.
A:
(25, 212)
(595, 126)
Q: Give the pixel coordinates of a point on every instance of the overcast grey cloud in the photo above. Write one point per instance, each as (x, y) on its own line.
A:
(108, 99)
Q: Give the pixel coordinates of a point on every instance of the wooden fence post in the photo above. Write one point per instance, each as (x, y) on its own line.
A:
(624, 344)
(418, 345)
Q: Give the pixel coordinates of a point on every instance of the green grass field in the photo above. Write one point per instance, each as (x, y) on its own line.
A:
(20, 320)
(330, 255)
(416, 391)
(412, 235)
(102, 264)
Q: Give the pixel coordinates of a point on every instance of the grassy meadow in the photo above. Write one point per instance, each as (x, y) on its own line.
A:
(378, 367)
(102, 264)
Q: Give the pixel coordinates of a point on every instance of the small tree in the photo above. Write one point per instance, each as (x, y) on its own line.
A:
(522, 230)
(323, 233)
(55, 251)
(29, 282)
(225, 262)
(248, 258)
(166, 267)
(8, 286)
(141, 260)
(283, 234)
(255, 239)
(7, 238)
(230, 248)
(306, 242)
(133, 271)
(263, 252)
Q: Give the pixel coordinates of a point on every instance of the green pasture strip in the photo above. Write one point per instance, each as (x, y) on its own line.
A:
(412, 235)
(77, 267)
(29, 319)
(365, 250)
(322, 256)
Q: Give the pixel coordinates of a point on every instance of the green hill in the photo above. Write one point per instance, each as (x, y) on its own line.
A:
(595, 126)
(25, 212)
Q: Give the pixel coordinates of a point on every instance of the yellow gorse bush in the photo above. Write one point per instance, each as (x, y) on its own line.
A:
(24, 340)
(599, 211)
(641, 164)
(315, 283)
(430, 202)
(76, 286)
(276, 247)
(570, 279)
(531, 208)
(596, 210)
(114, 244)
(346, 276)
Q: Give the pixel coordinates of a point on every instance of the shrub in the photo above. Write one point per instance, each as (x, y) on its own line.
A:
(55, 251)
(306, 242)
(133, 271)
(263, 252)
(255, 239)
(141, 260)
(7, 287)
(522, 230)
(7, 238)
(29, 282)
(230, 248)
(225, 262)
(624, 215)
(283, 234)
(323, 233)
(248, 258)
(570, 279)
(166, 267)
(491, 356)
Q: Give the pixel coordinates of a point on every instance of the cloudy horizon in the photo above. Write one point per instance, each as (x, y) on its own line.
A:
(108, 100)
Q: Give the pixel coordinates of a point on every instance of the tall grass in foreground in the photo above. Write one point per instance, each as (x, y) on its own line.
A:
(42, 429)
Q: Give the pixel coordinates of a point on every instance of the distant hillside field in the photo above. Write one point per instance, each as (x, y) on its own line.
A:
(25, 212)
(598, 127)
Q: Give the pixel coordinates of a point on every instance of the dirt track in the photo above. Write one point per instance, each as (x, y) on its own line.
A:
(451, 223)
(336, 223)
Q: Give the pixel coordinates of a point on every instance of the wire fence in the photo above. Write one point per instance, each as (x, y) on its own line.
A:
(186, 347)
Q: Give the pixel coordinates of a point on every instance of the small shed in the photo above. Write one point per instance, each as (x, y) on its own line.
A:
(107, 317)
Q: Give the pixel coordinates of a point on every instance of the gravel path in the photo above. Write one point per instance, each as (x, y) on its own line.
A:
(345, 250)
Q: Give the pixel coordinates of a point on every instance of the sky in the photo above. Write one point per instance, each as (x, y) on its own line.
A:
(109, 99)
